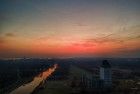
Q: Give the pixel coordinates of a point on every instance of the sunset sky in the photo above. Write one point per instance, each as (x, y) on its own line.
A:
(69, 28)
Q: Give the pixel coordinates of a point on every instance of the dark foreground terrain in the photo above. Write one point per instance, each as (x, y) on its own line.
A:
(66, 78)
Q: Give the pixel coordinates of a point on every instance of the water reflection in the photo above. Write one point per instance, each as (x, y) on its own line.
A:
(29, 87)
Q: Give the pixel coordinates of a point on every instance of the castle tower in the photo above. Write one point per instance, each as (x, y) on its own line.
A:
(105, 73)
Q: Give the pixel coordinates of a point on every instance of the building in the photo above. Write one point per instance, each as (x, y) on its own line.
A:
(85, 79)
(105, 73)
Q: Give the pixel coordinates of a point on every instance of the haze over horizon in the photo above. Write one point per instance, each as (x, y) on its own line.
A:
(69, 28)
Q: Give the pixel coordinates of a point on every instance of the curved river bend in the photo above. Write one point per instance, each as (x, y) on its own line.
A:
(29, 87)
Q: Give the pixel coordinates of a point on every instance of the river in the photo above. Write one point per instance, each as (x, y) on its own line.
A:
(29, 87)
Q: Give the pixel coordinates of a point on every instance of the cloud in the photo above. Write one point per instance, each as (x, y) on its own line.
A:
(10, 34)
(129, 51)
(105, 40)
(121, 36)
(135, 37)
(84, 44)
(2, 40)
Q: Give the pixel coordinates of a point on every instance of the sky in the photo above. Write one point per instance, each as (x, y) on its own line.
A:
(69, 28)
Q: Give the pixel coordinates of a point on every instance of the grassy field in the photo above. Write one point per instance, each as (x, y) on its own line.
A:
(55, 87)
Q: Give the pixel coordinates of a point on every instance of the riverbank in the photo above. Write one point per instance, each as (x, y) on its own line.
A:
(63, 86)
(13, 86)
(54, 87)
(29, 87)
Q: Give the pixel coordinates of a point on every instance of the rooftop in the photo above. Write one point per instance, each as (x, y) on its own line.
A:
(105, 64)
